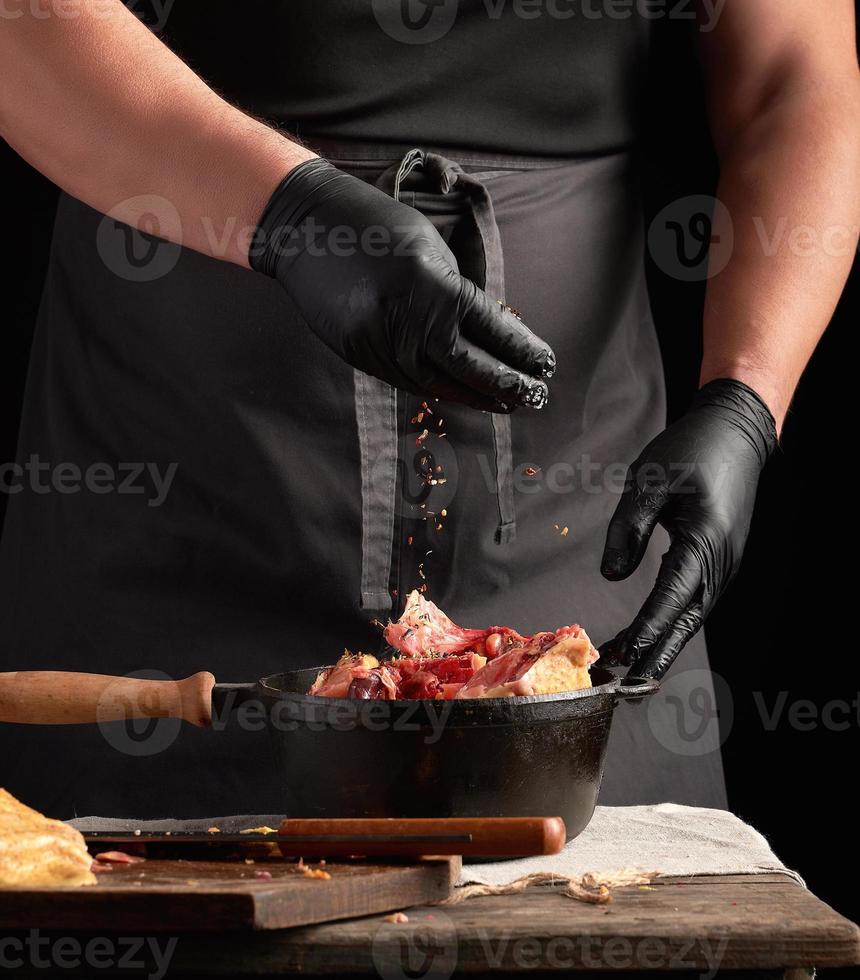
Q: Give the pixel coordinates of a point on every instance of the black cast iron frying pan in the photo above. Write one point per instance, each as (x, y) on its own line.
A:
(338, 757)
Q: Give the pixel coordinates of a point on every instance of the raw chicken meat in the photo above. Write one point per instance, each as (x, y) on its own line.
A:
(442, 661)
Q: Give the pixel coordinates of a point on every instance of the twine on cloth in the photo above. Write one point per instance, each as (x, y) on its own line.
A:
(594, 887)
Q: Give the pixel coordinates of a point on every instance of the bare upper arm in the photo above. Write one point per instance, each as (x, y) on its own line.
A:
(755, 51)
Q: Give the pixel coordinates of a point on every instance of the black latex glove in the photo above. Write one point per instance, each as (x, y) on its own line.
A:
(376, 282)
(698, 479)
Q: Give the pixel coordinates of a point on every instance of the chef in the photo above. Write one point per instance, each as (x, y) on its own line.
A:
(366, 279)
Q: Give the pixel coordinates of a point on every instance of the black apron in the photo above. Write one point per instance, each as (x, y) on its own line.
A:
(295, 514)
(247, 503)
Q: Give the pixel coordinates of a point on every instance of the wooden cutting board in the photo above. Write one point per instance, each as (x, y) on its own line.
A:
(211, 896)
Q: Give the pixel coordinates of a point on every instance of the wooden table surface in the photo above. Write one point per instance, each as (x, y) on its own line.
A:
(764, 925)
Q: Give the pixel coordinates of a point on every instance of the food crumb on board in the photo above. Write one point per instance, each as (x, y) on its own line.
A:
(397, 917)
(263, 874)
(118, 857)
(249, 860)
(259, 830)
(309, 872)
(316, 873)
(213, 830)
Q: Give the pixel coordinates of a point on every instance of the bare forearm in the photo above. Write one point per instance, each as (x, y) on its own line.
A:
(107, 112)
(791, 185)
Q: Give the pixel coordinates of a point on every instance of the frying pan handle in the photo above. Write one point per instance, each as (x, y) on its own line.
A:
(228, 697)
(53, 697)
(636, 688)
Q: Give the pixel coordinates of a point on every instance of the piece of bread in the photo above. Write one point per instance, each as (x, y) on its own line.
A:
(37, 852)
(528, 670)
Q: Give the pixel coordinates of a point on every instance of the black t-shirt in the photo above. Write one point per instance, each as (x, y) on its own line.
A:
(545, 77)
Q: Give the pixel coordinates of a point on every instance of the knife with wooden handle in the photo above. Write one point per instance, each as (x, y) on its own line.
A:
(375, 837)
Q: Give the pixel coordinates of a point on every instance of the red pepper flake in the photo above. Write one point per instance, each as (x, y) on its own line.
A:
(409, 539)
(531, 470)
(417, 419)
(419, 439)
(427, 408)
(423, 588)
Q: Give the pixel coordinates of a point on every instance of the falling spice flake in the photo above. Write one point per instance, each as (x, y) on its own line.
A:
(443, 512)
(423, 588)
(421, 570)
(563, 531)
(418, 419)
(420, 438)
(409, 539)
(438, 525)
(427, 408)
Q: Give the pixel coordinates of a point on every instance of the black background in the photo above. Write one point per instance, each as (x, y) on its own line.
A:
(777, 629)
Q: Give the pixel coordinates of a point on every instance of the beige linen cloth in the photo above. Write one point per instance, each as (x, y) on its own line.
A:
(666, 837)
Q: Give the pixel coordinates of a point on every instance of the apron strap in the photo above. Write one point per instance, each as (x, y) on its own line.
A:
(376, 401)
